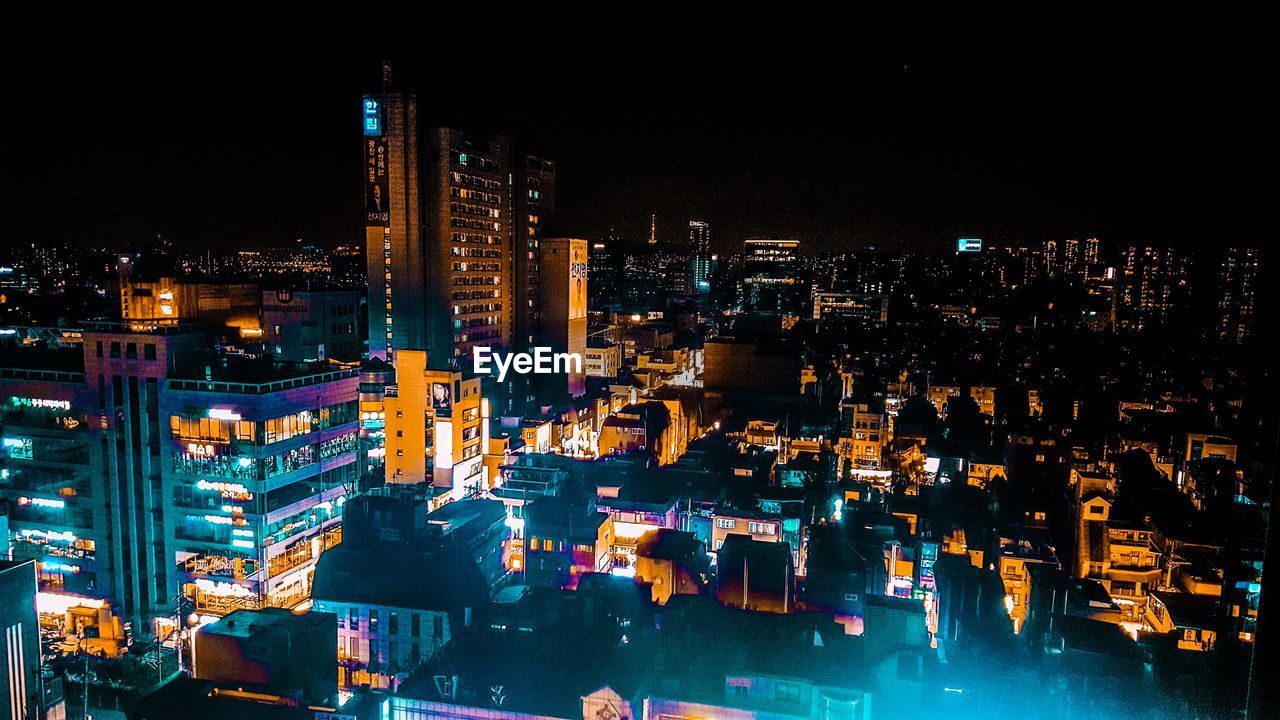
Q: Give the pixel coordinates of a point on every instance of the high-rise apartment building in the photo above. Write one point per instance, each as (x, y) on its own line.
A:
(1154, 286)
(1238, 276)
(700, 256)
(453, 221)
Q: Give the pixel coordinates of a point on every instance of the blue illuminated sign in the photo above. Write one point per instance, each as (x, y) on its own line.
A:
(969, 245)
(372, 118)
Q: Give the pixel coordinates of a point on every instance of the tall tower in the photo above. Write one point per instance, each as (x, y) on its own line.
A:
(653, 229)
(453, 221)
(700, 256)
(564, 318)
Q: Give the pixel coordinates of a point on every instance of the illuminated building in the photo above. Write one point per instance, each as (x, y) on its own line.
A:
(701, 259)
(868, 435)
(1239, 275)
(375, 375)
(230, 472)
(311, 325)
(771, 283)
(564, 307)
(20, 661)
(173, 299)
(48, 464)
(985, 398)
(453, 223)
(437, 427)
(1119, 554)
(869, 310)
(1153, 288)
(635, 509)
(260, 466)
(1192, 618)
(940, 396)
(754, 525)
(602, 359)
(1204, 445)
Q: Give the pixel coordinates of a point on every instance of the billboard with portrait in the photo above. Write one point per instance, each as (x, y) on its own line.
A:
(441, 395)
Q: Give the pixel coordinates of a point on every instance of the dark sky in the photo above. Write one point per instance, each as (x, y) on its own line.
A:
(253, 146)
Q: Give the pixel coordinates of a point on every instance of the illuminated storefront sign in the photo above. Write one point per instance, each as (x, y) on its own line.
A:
(58, 567)
(42, 403)
(223, 414)
(202, 449)
(49, 535)
(42, 502)
(229, 490)
(222, 519)
(969, 245)
(222, 588)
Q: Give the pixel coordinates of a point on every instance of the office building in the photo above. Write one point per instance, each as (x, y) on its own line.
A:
(771, 282)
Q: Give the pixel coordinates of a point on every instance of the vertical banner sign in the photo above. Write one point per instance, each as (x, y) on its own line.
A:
(376, 190)
(577, 280)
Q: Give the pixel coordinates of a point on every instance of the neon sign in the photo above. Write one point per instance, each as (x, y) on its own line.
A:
(43, 502)
(42, 403)
(372, 118)
(229, 490)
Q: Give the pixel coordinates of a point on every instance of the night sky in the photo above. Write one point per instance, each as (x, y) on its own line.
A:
(259, 147)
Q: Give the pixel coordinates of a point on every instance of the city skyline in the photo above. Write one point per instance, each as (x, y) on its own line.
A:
(633, 382)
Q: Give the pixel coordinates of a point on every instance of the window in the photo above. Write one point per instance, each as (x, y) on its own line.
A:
(787, 692)
(724, 523)
(149, 351)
